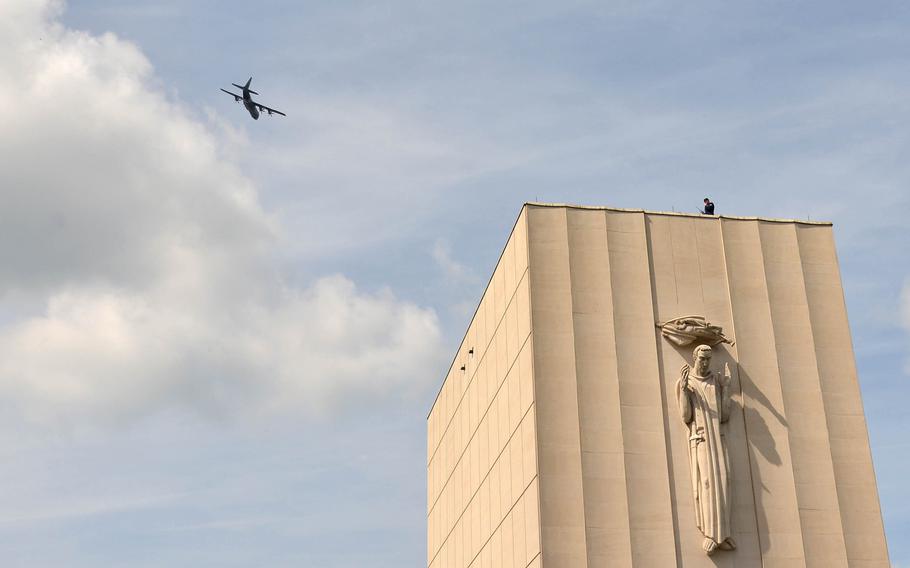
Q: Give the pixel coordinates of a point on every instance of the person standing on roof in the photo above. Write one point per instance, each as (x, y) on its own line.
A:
(709, 207)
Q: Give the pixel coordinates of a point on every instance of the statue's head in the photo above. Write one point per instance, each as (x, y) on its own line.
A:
(702, 359)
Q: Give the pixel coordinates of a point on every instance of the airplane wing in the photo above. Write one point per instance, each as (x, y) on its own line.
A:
(237, 97)
(263, 108)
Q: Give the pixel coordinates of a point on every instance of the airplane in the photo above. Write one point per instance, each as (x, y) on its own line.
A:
(253, 107)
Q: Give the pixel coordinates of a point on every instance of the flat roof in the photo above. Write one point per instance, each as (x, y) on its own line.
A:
(676, 213)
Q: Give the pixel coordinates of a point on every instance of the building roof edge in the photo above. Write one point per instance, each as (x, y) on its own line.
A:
(676, 213)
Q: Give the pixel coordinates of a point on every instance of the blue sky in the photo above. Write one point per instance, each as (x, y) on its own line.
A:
(219, 338)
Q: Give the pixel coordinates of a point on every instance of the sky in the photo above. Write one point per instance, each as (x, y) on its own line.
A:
(220, 338)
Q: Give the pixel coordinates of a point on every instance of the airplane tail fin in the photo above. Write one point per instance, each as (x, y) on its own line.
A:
(246, 87)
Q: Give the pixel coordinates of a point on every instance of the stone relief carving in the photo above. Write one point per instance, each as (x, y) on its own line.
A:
(686, 330)
(704, 398)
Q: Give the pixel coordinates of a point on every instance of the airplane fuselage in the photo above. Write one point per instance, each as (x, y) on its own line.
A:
(248, 103)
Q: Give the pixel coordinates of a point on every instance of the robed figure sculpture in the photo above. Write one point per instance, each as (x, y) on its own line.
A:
(704, 403)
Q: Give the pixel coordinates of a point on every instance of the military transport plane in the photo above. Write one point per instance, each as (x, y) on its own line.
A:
(252, 106)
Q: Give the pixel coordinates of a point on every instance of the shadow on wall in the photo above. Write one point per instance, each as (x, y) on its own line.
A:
(760, 437)
(759, 440)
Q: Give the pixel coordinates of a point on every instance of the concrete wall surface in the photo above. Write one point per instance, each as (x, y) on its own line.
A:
(560, 443)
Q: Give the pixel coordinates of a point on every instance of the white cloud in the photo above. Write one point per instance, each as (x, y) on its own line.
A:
(451, 268)
(144, 257)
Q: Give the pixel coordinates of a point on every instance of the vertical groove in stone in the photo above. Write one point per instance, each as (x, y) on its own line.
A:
(535, 487)
(774, 493)
(603, 470)
(857, 493)
(579, 336)
(559, 446)
(813, 470)
(641, 402)
(665, 298)
(744, 475)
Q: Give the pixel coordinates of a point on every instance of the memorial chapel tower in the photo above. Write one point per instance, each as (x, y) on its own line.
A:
(643, 389)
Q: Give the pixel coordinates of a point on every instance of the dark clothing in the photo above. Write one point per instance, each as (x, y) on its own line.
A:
(709, 208)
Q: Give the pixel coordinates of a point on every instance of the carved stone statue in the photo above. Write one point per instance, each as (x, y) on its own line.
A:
(704, 403)
(686, 330)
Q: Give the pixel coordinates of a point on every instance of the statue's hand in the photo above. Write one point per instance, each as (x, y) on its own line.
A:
(728, 378)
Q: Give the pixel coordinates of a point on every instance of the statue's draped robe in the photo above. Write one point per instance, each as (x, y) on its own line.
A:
(704, 406)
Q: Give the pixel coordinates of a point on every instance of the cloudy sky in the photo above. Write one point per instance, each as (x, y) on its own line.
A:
(219, 338)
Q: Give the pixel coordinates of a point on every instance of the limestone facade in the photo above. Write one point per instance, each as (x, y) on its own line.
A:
(556, 439)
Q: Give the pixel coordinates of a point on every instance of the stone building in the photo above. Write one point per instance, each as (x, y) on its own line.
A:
(557, 438)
